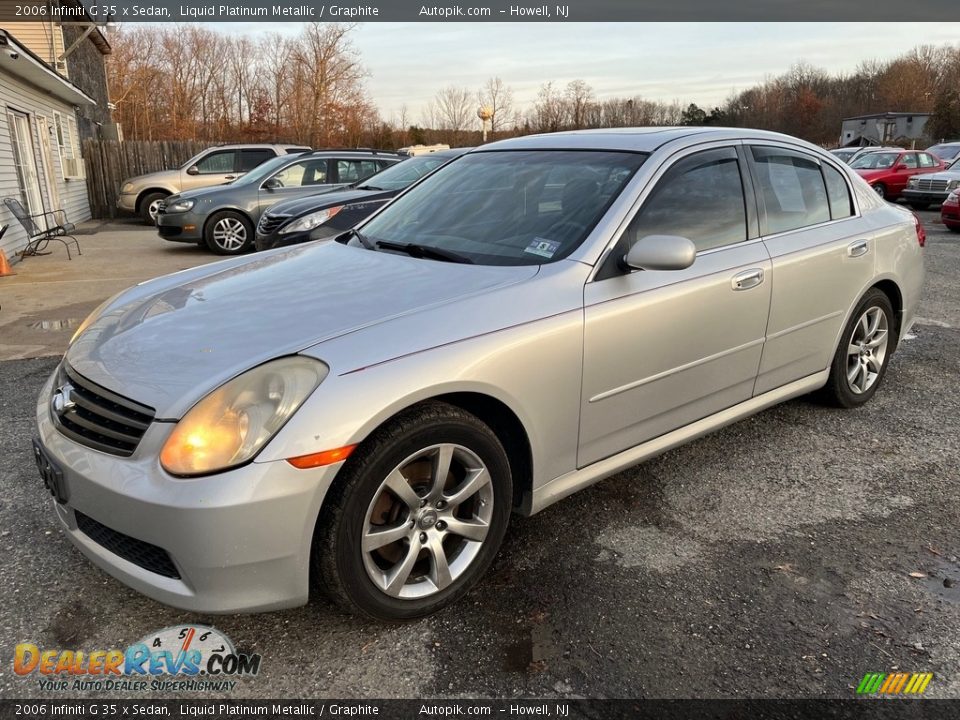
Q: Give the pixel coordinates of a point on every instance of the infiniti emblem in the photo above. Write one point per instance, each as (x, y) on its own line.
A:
(63, 399)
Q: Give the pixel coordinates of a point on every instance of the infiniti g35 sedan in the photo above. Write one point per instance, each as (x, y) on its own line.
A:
(533, 317)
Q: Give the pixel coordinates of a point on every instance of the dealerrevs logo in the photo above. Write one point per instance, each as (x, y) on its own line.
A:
(175, 659)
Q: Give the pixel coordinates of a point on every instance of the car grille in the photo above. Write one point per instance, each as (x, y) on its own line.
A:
(96, 417)
(269, 223)
(932, 185)
(149, 557)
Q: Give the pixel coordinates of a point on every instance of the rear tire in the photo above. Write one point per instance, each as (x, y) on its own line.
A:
(446, 525)
(863, 355)
(228, 233)
(148, 207)
(954, 228)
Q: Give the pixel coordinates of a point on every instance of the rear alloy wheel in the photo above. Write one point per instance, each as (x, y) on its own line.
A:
(229, 233)
(880, 189)
(864, 353)
(149, 206)
(417, 515)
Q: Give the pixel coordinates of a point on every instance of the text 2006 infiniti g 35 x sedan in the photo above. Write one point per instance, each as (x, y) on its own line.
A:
(535, 316)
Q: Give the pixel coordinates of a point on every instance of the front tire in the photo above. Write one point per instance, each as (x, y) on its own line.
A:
(148, 207)
(228, 233)
(861, 360)
(416, 515)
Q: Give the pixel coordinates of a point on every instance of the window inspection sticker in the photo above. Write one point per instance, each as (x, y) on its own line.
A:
(544, 248)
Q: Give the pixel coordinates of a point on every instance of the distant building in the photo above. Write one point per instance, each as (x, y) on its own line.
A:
(883, 128)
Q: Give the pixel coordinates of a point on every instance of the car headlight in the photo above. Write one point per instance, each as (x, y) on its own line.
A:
(181, 206)
(127, 188)
(953, 185)
(309, 222)
(230, 425)
(912, 182)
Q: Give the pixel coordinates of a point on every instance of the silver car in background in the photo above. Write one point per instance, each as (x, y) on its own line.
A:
(531, 318)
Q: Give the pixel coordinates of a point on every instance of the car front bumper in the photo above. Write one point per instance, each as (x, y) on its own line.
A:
(181, 227)
(127, 202)
(240, 540)
(924, 196)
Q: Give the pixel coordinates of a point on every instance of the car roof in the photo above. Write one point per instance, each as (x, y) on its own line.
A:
(638, 139)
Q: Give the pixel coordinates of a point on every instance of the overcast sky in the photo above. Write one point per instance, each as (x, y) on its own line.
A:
(690, 62)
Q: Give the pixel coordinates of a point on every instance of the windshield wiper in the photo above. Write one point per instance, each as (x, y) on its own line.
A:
(425, 251)
(369, 187)
(364, 240)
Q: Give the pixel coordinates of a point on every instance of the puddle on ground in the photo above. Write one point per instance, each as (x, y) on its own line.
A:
(944, 582)
(534, 652)
(67, 324)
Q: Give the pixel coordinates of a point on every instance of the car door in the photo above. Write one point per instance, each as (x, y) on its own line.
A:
(907, 165)
(309, 176)
(663, 349)
(215, 168)
(823, 255)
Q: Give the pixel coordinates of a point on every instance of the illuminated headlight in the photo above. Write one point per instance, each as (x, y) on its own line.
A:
(953, 185)
(309, 222)
(230, 425)
(127, 188)
(181, 206)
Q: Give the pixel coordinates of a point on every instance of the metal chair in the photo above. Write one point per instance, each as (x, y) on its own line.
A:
(38, 238)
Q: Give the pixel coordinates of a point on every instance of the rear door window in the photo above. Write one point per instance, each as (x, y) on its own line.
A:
(927, 161)
(838, 192)
(791, 190)
(249, 159)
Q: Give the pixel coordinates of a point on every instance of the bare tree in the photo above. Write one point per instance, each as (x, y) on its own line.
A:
(454, 111)
(499, 98)
(578, 96)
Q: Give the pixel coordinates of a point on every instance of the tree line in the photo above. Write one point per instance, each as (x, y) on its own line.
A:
(190, 82)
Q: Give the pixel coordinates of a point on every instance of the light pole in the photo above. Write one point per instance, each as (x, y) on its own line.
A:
(485, 113)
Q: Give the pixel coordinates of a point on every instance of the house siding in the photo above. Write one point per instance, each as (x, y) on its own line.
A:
(20, 96)
(43, 38)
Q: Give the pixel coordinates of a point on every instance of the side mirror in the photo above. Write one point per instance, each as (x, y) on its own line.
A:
(661, 252)
(272, 183)
(193, 170)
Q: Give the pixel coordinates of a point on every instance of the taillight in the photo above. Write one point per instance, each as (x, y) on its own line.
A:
(921, 233)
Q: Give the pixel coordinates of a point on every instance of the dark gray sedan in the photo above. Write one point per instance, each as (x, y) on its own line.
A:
(224, 217)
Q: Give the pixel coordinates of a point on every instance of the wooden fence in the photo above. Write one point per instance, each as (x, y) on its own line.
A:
(109, 163)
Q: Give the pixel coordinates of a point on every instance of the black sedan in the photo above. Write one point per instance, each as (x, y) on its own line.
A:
(324, 216)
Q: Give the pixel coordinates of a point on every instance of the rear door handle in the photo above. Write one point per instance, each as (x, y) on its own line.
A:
(229, 177)
(857, 248)
(747, 279)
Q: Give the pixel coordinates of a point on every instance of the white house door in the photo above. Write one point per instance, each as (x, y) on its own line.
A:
(25, 164)
(46, 156)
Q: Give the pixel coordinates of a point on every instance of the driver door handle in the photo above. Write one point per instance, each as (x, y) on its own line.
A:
(747, 279)
(229, 177)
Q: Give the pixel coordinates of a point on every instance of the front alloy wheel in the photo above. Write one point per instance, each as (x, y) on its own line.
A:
(415, 516)
(229, 233)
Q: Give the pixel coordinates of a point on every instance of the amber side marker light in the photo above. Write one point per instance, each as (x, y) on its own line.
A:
(327, 457)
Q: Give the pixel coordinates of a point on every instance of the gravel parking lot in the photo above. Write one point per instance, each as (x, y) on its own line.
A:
(776, 558)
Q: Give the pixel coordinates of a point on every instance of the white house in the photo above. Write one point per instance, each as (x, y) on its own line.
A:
(40, 157)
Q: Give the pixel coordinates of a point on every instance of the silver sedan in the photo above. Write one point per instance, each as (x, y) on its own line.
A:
(535, 316)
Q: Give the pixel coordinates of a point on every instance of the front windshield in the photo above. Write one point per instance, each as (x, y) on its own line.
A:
(262, 170)
(875, 161)
(508, 207)
(402, 174)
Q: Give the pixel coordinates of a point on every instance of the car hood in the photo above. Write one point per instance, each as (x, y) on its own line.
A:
(943, 175)
(161, 176)
(202, 193)
(169, 342)
(311, 203)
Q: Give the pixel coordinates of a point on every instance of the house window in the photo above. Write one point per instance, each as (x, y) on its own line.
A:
(68, 145)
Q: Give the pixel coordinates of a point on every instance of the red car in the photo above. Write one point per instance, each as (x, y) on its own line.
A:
(888, 172)
(950, 211)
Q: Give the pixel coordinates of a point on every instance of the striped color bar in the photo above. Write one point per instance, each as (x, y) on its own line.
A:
(894, 683)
